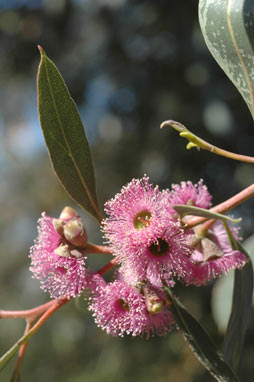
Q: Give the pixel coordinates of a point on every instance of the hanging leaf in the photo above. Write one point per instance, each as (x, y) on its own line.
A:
(184, 210)
(65, 137)
(228, 30)
(200, 343)
(241, 311)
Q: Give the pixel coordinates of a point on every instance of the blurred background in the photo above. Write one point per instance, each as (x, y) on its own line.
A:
(129, 65)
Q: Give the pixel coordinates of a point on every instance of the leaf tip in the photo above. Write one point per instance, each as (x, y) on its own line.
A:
(190, 145)
(41, 50)
(176, 125)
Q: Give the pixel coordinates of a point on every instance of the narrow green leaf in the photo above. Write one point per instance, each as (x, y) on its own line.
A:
(241, 311)
(200, 343)
(65, 137)
(196, 211)
(228, 30)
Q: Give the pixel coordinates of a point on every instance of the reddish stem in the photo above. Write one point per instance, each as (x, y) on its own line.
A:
(107, 267)
(225, 206)
(29, 313)
(235, 200)
(57, 304)
(208, 224)
(201, 230)
(29, 333)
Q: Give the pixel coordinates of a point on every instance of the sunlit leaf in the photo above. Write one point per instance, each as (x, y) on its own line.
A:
(200, 343)
(65, 137)
(241, 311)
(228, 30)
(184, 210)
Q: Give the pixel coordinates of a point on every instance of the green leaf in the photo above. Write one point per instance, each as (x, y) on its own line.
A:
(228, 30)
(241, 311)
(200, 343)
(196, 211)
(65, 137)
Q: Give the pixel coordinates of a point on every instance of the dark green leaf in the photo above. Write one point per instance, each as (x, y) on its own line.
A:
(192, 210)
(241, 311)
(228, 30)
(65, 137)
(200, 343)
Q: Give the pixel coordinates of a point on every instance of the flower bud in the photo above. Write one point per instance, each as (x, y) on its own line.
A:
(62, 250)
(154, 306)
(75, 253)
(74, 232)
(58, 225)
(154, 303)
(68, 213)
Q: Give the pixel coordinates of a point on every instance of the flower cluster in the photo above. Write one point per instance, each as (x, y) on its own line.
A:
(152, 247)
(151, 243)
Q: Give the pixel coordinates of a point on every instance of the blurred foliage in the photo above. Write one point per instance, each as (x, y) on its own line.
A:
(129, 65)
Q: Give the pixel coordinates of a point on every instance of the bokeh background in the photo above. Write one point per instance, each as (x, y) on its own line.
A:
(129, 66)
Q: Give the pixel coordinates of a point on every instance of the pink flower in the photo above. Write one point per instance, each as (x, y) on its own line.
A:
(60, 269)
(191, 194)
(134, 213)
(145, 240)
(214, 256)
(159, 324)
(121, 309)
(156, 258)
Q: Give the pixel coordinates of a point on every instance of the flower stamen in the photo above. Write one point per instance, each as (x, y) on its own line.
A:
(142, 219)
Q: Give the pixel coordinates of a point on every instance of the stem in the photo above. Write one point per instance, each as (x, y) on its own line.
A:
(10, 353)
(202, 229)
(107, 267)
(226, 206)
(94, 248)
(22, 350)
(207, 225)
(195, 141)
(235, 200)
(32, 313)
